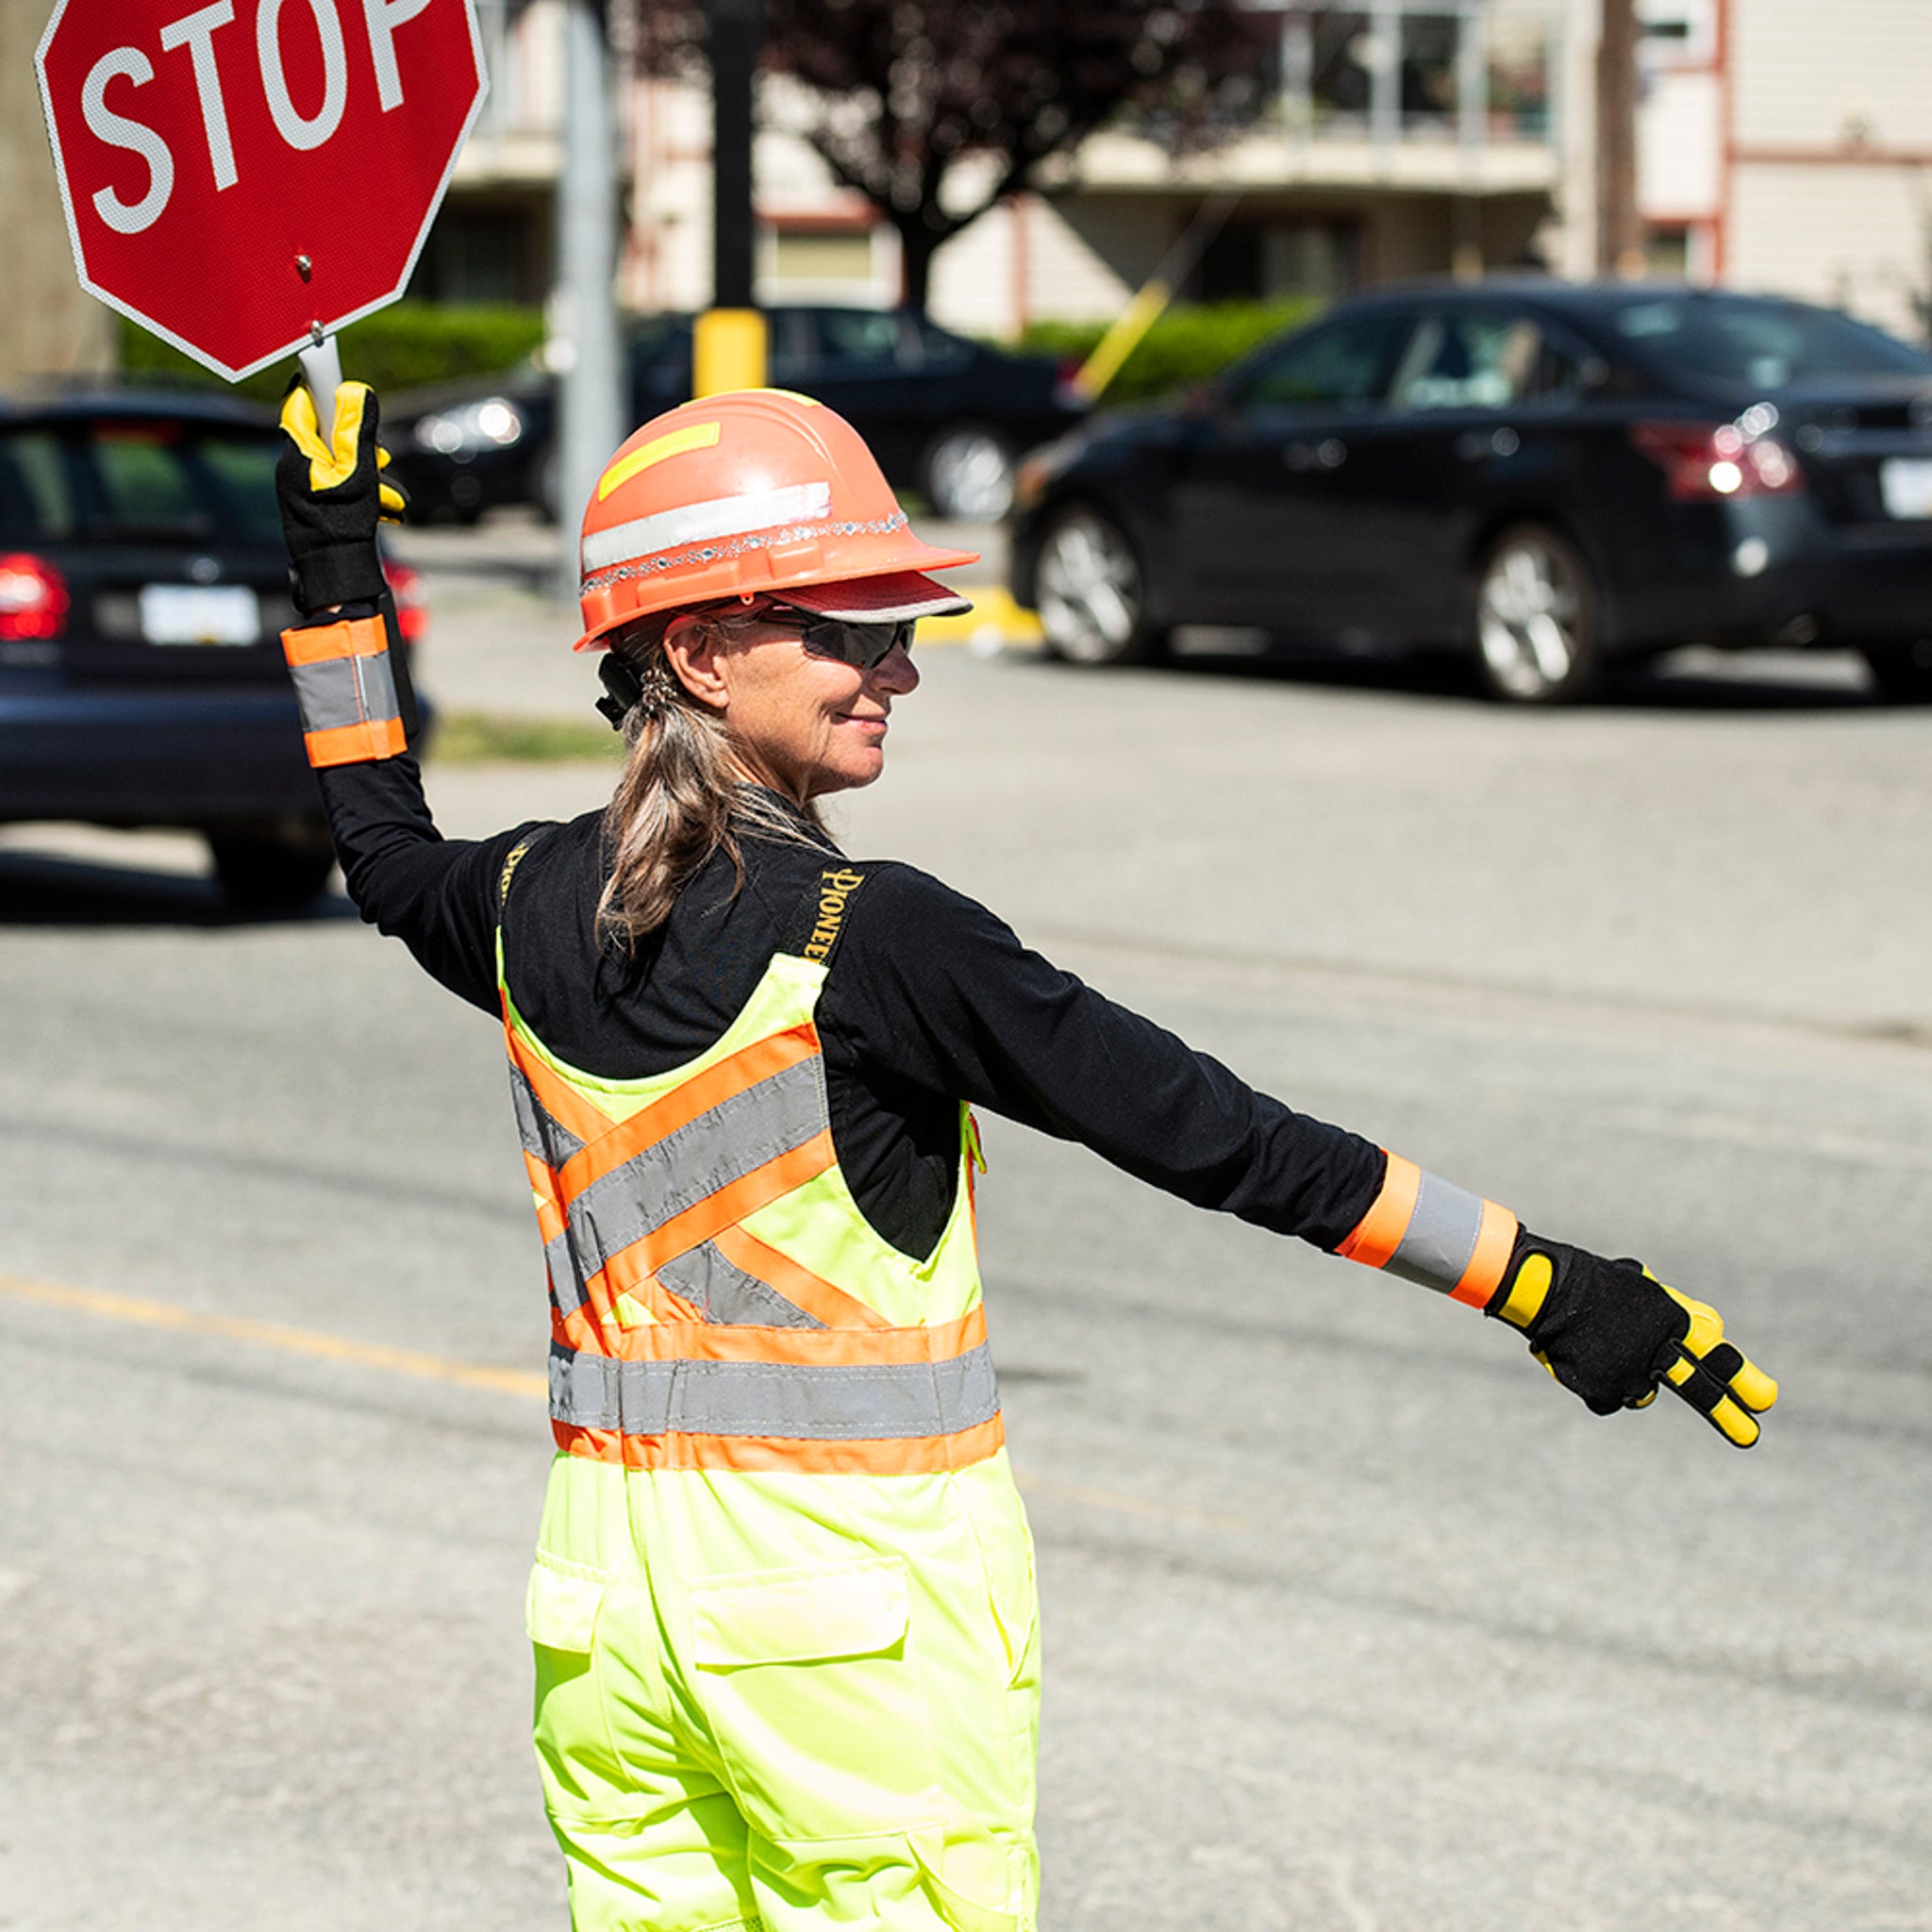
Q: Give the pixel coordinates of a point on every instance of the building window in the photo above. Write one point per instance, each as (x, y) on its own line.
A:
(1260, 260)
(822, 255)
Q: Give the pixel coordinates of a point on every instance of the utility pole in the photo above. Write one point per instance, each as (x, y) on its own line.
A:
(729, 349)
(1619, 227)
(593, 414)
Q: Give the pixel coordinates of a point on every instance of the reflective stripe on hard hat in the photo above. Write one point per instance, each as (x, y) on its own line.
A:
(1430, 1231)
(644, 538)
(870, 1402)
(346, 691)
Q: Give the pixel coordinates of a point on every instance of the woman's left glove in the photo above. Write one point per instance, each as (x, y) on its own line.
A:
(1610, 1332)
(333, 495)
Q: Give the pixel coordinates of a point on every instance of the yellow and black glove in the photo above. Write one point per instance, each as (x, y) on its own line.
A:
(1611, 1333)
(333, 494)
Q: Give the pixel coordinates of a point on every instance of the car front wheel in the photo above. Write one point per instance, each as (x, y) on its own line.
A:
(1902, 672)
(1091, 593)
(967, 473)
(1535, 618)
(264, 874)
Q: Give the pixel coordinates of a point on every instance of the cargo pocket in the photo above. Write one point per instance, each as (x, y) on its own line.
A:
(814, 1700)
(575, 1754)
(562, 1604)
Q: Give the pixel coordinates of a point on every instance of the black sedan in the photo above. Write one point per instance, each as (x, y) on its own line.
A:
(943, 414)
(1546, 477)
(143, 586)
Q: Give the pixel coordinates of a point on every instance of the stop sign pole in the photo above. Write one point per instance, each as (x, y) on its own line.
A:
(244, 178)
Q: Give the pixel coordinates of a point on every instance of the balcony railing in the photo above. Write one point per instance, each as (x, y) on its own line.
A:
(1464, 70)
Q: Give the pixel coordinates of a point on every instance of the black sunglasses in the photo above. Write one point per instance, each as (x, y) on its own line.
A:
(860, 645)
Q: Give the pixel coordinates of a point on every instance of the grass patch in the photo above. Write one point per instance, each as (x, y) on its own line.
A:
(483, 738)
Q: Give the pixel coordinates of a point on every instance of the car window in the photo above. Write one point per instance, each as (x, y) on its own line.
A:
(789, 345)
(35, 492)
(853, 339)
(1347, 363)
(938, 350)
(140, 478)
(1481, 361)
(1764, 344)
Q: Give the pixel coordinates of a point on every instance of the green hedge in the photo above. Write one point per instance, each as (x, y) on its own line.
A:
(397, 348)
(1190, 342)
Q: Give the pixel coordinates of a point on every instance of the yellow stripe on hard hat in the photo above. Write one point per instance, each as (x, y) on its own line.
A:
(693, 436)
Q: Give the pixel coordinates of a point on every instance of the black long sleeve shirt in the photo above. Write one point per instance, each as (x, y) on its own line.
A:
(932, 1000)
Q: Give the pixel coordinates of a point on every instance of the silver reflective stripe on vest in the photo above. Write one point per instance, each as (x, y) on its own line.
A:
(566, 1283)
(877, 1402)
(539, 1130)
(721, 1290)
(721, 1145)
(346, 690)
(1441, 1237)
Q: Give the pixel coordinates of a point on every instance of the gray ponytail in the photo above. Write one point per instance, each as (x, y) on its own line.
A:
(683, 795)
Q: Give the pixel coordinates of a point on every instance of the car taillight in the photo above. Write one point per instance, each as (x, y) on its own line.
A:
(33, 598)
(1066, 392)
(1712, 462)
(412, 614)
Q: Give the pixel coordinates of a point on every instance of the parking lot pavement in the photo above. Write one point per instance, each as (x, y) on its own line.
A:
(501, 634)
(1354, 1621)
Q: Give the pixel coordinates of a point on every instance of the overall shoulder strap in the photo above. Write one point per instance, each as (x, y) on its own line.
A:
(516, 855)
(812, 930)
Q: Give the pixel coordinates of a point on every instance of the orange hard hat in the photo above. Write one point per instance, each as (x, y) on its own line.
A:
(752, 493)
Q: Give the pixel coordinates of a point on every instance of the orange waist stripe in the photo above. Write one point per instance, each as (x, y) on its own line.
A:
(897, 1455)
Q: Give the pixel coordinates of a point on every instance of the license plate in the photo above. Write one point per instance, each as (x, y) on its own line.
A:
(1905, 484)
(197, 614)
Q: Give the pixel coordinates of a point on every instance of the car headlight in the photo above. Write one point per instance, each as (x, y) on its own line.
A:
(496, 422)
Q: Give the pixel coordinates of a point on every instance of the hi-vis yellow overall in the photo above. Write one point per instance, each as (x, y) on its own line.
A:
(783, 1603)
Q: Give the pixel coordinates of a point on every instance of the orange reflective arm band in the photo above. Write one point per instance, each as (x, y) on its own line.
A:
(1427, 1230)
(347, 690)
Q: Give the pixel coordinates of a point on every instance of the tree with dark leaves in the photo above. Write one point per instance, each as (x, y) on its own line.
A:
(896, 95)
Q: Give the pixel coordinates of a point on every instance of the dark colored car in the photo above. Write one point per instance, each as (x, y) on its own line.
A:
(943, 415)
(1543, 475)
(143, 584)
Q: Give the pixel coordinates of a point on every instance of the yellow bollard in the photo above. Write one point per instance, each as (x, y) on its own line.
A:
(727, 351)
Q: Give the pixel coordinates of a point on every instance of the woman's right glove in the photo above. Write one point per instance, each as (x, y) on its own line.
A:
(1609, 1331)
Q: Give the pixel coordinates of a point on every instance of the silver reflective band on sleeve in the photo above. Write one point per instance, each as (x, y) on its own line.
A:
(876, 1401)
(721, 1145)
(722, 1291)
(698, 522)
(346, 690)
(1441, 1235)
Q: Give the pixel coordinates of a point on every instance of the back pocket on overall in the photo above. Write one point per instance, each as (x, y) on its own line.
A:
(810, 1681)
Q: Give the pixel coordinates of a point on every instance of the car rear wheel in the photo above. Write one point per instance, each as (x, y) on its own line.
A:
(1091, 595)
(1902, 672)
(1535, 618)
(264, 873)
(967, 473)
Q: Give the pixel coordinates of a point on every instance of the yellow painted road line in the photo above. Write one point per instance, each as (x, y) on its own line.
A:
(368, 1355)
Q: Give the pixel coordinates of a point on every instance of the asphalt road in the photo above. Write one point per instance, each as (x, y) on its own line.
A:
(1355, 1623)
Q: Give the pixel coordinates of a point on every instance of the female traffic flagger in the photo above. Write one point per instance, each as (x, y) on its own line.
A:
(783, 1601)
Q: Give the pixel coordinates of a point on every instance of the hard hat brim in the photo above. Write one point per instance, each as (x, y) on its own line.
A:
(892, 597)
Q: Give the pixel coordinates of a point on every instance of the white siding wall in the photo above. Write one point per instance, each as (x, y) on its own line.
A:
(1854, 237)
(1809, 73)
(1680, 148)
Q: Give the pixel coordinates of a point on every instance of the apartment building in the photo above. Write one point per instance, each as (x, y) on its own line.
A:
(1780, 145)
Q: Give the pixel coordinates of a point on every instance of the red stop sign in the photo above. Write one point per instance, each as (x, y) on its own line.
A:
(239, 170)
